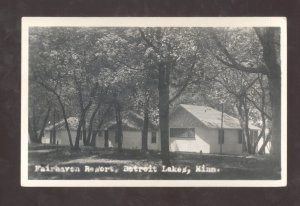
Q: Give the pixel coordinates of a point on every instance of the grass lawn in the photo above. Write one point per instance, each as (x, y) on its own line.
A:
(54, 162)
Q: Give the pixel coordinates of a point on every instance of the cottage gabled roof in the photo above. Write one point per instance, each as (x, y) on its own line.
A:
(131, 121)
(72, 121)
(211, 118)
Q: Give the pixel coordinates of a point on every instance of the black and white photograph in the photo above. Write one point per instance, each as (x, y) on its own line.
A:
(152, 102)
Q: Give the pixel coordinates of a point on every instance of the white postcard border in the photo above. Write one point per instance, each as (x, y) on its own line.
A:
(151, 22)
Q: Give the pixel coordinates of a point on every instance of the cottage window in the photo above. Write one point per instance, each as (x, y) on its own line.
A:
(240, 137)
(221, 136)
(182, 132)
(153, 137)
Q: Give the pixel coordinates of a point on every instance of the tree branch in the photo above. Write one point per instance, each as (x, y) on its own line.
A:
(258, 108)
(186, 83)
(149, 43)
(232, 62)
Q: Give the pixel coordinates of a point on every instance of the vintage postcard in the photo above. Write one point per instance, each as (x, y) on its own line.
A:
(154, 102)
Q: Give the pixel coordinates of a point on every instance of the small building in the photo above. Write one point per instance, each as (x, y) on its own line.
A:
(132, 133)
(132, 126)
(62, 137)
(198, 129)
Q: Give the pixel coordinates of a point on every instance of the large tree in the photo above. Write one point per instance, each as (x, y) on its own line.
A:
(177, 57)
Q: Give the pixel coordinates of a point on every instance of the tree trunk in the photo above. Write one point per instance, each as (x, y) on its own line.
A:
(81, 125)
(31, 132)
(270, 40)
(163, 106)
(275, 93)
(262, 113)
(66, 121)
(51, 136)
(93, 139)
(106, 139)
(257, 140)
(78, 134)
(34, 127)
(80, 129)
(243, 113)
(247, 132)
(44, 124)
(94, 134)
(145, 129)
(272, 59)
(164, 98)
(84, 138)
(90, 129)
(54, 126)
(119, 131)
(262, 148)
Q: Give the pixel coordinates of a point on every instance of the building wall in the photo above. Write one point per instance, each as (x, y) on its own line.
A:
(131, 140)
(197, 144)
(46, 138)
(61, 137)
(212, 137)
(231, 144)
(154, 146)
(206, 139)
(182, 119)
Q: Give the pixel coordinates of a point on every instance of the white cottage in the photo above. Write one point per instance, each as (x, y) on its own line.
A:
(62, 137)
(132, 134)
(198, 129)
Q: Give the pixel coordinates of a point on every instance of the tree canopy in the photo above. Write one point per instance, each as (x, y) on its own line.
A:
(92, 72)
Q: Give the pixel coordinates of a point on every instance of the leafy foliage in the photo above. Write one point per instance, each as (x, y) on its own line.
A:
(84, 72)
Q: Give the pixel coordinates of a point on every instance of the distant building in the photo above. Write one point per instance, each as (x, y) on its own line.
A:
(62, 137)
(132, 133)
